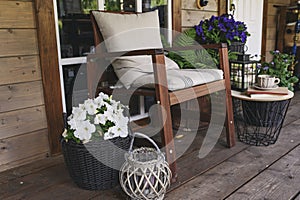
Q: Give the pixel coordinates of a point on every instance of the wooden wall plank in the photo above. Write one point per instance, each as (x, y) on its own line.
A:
(271, 33)
(278, 2)
(211, 6)
(272, 21)
(15, 42)
(17, 14)
(222, 7)
(191, 17)
(24, 146)
(19, 69)
(18, 96)
(22, 121)
(269, 26)
(37, 157)
(50, 71)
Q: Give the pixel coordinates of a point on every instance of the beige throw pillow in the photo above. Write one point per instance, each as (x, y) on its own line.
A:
(125, 32)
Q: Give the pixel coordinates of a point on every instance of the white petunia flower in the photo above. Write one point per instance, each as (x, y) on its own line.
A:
(78, 113)
(73, 123)
(84, 131)
(100, 119)
(102, 96)
(90, 106)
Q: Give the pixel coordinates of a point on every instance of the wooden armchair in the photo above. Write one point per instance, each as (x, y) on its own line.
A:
(164, 96)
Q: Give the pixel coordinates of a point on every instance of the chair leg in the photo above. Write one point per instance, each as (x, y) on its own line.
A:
(230, 131)
(162, 98)
(168, 142)
(224, 64)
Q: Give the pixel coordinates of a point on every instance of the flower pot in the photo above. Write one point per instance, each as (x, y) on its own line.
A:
(238, 47)
(95, 165)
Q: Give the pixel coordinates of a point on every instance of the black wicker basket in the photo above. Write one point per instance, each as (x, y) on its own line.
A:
(95, 165)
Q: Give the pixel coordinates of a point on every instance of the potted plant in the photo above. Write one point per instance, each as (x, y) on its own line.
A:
(281, 66)
(220, 29)
(216, 29)
(95, 141)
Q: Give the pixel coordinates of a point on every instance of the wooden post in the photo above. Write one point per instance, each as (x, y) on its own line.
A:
(50, 72)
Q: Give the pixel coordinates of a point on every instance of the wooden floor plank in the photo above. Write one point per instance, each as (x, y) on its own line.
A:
(216, 176)
(284, 175)
(33, 167)
(25, 186)
(220, 181)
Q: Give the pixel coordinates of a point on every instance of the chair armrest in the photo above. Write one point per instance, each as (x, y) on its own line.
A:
(197, 47)
(102, 55)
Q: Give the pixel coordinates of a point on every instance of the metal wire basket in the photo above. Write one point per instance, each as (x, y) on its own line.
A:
(145, 174)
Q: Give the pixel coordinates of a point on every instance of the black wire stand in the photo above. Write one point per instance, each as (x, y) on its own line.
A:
(259, 122)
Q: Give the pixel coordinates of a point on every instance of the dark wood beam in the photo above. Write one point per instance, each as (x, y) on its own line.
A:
(50, 71)
(264, 30)
(176, 15)
(222, 7)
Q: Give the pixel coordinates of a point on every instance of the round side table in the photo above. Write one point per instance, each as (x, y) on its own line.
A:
(258, 120)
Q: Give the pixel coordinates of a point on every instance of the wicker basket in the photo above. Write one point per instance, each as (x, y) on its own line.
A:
(145, 174)
(95, 165)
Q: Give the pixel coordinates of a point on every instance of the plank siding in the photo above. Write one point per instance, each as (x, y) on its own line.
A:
(191, 18)
(17, 14)
(191, 15)
(16, 42)
(23, 95)
(24, 146)
(23, 122)
(19, 69)
(269, 26)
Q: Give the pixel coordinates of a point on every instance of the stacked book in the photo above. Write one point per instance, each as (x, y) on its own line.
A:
(266, 93)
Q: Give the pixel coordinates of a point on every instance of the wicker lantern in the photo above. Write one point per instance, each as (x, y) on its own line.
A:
(242, 73)
(145, 175)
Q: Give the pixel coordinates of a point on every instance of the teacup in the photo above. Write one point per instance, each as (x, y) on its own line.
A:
(267, 81)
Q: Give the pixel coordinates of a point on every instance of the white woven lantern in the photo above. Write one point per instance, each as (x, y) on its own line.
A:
(145, 174)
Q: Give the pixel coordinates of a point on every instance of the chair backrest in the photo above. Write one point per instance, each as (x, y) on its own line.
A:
(141, 31)
(108, 77)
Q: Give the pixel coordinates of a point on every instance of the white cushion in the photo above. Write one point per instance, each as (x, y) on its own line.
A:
(130, 68)
(125, 32)
(182, 78)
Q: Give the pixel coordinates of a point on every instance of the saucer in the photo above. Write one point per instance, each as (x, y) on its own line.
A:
(262, 88)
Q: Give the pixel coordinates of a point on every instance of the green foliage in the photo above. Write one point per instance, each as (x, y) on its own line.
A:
(281, 67)
(112, 5)
(88, 5)
(194, 58)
